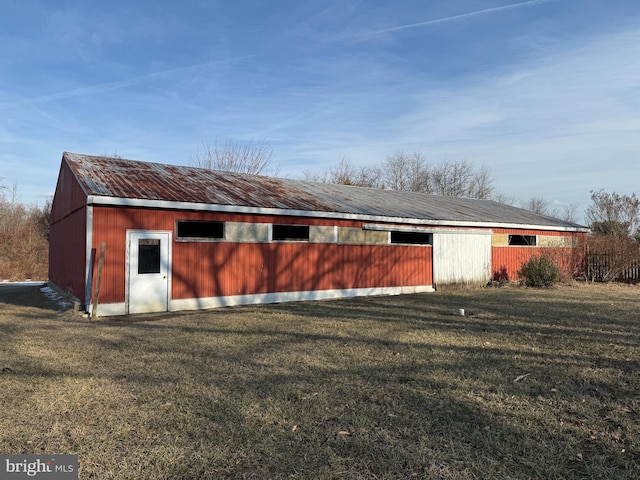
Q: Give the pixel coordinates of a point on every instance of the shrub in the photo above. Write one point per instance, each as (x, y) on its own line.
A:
(539, 272)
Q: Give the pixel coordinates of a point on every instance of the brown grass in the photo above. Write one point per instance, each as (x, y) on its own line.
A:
(539, 384)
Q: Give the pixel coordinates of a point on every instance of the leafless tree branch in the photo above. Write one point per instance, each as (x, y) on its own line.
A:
(253, 157)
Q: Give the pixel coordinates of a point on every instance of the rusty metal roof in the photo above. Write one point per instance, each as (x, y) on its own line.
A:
(118, 178)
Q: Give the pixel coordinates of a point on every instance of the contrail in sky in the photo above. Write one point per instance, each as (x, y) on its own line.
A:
(103, 87)
(484, 11)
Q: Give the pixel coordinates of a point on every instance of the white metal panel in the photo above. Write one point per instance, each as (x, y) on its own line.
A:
(246, 232)
(461, 258)
(319, 234)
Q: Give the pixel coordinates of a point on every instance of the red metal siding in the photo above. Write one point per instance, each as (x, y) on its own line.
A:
(507, 260)
(209, 269)
(67, 253)
(68, 196)
(248, 268)
(67, 244)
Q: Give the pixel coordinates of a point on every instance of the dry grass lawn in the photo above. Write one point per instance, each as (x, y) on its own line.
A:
(540, 384)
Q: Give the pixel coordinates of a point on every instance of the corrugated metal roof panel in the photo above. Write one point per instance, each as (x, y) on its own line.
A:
(127, 179)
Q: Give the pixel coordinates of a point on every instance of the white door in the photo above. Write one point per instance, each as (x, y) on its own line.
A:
(149, 272)
(461, 258)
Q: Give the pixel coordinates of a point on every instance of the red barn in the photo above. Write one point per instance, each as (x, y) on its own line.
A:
(180, 238)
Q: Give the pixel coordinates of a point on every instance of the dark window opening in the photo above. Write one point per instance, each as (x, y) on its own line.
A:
(527, 240)
(291, 232)
(200, 229)
(148, 256)
(414, 238)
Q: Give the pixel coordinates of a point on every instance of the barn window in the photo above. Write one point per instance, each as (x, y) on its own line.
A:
(199, 230)
(527, 240)
(414, 238)
(148, 256)
(291, 233)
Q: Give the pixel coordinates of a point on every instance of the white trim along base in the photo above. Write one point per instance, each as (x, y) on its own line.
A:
(110, 309)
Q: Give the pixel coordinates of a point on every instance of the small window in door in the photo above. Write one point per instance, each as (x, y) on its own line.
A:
(148, 256)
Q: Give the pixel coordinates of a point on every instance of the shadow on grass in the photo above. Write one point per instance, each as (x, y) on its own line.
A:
(342, 389)
(27, 296)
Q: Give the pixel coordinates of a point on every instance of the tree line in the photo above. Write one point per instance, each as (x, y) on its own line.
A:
(24, 237)
(411, 172)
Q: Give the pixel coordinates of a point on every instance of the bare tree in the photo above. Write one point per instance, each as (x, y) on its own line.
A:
(537, 205)
(115, 154)
(11, 191)
(405, 171)
(409, 171)
(614, 215)
(41, 217)
(459, 178)
(569, 213)
(309, 175)
(253, 157)
(503, 198)
(481, 184)
(346, 174)
(452, 178)
(343, 173)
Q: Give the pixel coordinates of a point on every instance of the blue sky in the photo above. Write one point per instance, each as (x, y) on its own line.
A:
(545, 93)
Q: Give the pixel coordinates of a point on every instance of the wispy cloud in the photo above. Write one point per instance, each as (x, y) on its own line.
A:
(104, 87)
(451, 18)
(547, 101)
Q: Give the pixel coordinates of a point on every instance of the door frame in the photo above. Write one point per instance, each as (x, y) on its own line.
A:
(129, 234)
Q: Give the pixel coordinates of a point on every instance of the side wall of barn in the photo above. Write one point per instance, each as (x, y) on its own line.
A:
(566, 249)
(338, 256)
(67, 239)
(247, 264)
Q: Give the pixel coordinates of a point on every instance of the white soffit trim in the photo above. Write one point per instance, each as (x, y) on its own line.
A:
(207, 207)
